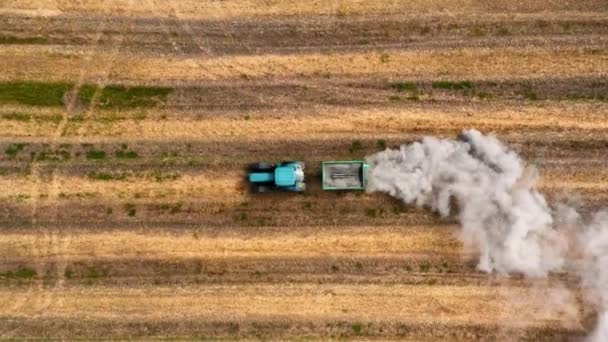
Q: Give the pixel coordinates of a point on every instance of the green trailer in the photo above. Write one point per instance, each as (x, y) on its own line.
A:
(344, 175)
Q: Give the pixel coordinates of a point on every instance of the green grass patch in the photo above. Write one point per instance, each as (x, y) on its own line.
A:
(484, 95)
(542, 24)
(531, 95)
(23, 197)
(355, 146)
(117, 96)
(57, 155)
(25, 273)
(566, 26)
(122, 154)
(172, 208)
(17, 116)
(263, 221)
(23, 40)
(108, 118)
(357, 328)
(54, 118)
(241, 217)
(94, 273)
(404, 86)
(112, 96)
(33, 93)
(424, 30)
(96, 154)
(371, 212)
(478, 31)
(424, 266)
(586, 97)
(13, 149)
(106, 176)
(68, 273)
(399, 208)
(161, 176)
(130, 209)
(503, 31)
(20, 273)
(448, 85)
(176, 208)
(381, 144)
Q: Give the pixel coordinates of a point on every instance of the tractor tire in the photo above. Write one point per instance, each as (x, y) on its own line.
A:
(293, 161)
(262, 189)
(261, 167)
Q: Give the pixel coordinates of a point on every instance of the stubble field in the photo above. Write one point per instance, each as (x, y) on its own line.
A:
(126, 127)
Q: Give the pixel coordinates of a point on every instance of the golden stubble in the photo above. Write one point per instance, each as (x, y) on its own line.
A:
(325, 122)
(250, 8)
(278, 242)
(51, 63)
(414, 304)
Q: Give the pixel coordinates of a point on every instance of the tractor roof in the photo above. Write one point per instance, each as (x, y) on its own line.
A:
(285, 175)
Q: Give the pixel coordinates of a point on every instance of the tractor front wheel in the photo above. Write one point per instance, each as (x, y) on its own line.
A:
(293, 162)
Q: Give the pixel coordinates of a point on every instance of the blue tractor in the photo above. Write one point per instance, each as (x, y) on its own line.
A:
(286, 175)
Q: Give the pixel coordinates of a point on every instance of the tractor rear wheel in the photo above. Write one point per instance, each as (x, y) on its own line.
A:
(261, 189)
(261, 167)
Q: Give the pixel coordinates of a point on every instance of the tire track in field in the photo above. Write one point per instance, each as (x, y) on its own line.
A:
(19, 301)
(330, 33)
(59, 239)
(204, 49)
(65, 239)
(41, 241)
(56, 240)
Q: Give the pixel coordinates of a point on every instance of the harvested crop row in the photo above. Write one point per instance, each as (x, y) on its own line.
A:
(236, 8)
(305, 242)
(51, 63)
(352, 121)
(210, 185)
(213, 36)
(464, 304)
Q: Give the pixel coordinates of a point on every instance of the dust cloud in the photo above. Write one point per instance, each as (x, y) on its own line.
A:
(493, 194)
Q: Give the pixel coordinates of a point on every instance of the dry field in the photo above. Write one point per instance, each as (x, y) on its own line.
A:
(125, 127)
